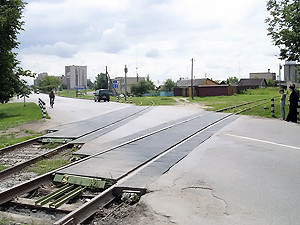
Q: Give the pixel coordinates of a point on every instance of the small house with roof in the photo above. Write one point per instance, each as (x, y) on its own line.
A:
(202, 87)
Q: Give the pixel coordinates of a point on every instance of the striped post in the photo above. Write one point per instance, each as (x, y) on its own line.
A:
(42, 105)
(122, 98)
(130, 99)
(117, 98)
(272, 107)
(126, 99)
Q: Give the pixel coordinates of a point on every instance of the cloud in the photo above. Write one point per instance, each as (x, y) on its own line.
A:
(158, 36)
(114, 39)
(60, 49)
(153, 53)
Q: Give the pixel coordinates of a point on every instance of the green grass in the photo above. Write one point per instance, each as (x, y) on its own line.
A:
(10, 139)
(14, 114)
(220, 102)
(72, 94)
(2, 167)
(47, 165)
(147, 101)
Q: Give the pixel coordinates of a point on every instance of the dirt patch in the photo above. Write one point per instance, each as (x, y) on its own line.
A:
(27, 129)
(139, 213)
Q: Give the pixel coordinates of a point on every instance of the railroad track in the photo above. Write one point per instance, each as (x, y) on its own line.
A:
(182, 137)
(240, 108)
(34, 194)
(17, 157)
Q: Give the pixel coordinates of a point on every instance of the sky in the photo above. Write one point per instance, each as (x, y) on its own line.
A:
(158, 38)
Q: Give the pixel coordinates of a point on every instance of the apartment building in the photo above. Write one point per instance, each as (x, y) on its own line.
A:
(76, 77)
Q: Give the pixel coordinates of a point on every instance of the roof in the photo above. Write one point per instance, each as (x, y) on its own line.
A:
(253, 82)
(187, 82)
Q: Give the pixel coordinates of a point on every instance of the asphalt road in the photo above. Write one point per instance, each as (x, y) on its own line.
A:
(246, 173)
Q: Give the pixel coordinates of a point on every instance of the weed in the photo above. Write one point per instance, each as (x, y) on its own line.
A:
(2, 167)
(50, 145)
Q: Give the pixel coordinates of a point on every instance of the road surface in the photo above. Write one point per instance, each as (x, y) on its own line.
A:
(246, 173)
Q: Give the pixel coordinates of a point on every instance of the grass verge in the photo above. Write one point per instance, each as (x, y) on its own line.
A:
(14, 114)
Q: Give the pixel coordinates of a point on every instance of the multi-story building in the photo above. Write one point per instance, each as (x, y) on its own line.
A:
(290, 71)
(40, 76)
(76, 77)
(119, 83)
(265, 75)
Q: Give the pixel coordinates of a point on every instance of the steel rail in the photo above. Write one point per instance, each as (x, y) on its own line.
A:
(11, 170)
(89, 208)
(18, 145)
(247, 103)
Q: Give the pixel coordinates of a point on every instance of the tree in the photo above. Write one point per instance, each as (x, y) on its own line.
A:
(101, 81)
(10, 71)
(270, 83)
(284, 27)
(169, 85)
(232, 80)
(90, 84)
(142, 87)
(48, 83)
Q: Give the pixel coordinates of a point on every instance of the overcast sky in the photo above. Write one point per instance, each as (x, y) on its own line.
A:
(158, 37)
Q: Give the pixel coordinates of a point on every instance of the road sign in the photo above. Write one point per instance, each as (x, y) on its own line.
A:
(114, 85)
(115, 81)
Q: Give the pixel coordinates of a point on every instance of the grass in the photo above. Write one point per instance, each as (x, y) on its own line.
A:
(219, 102)
(14, 114)
(72, 94)
(10, 139)
(6, 221)
(2, 167)
(47, 165)
(147, 101)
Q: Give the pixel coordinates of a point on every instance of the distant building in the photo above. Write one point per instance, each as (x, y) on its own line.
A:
(201, 87)
(290, 72)
(76, 77)
(120, 83)
(265, 75)
(252, 83)
(39, 77)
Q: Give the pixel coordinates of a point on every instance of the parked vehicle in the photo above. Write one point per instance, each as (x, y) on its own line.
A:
(102, 94)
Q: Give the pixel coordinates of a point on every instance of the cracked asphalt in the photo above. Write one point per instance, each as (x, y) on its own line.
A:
(247, 173)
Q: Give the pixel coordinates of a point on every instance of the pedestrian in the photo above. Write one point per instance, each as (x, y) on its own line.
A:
(293, 105)
(52, 96)
(282, 103)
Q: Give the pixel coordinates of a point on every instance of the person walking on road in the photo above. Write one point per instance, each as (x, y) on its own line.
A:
(282, 103)
(52, 96)
(293, 104)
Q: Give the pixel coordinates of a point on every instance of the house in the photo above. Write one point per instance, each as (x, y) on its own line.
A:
(202, 87)
(253, 83)
(266, 75)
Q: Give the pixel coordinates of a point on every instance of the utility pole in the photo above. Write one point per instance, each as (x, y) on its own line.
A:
(280, 67)
(192, 79)
(126, 71)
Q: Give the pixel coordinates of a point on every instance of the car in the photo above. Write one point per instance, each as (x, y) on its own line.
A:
(101, 94)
